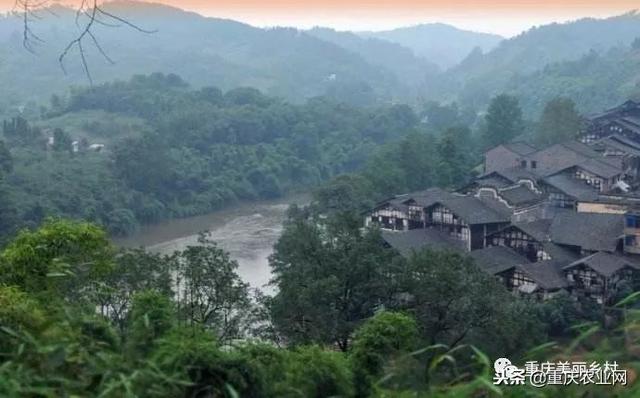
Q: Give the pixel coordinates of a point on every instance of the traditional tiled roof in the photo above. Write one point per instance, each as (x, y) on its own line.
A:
(422, 198)
(507, 155)
(599, 168)
(557, 157)
(619, 143)
(631, 198)
(497, 206)
(632, 119)
(572, 187)
(520, 195)
(618, 111)
(493, 181)
(394, 202)
(579, 147)
(476, 211)
(427, 197)
(559, 253)
(520, 148)
(605, 264)
(547, 275)
(408, 242)
(629, 125)
(589, 231)
(538, 229)
(513, 174)
(497, 259)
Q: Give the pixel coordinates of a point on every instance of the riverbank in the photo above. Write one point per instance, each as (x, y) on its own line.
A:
(247, 231)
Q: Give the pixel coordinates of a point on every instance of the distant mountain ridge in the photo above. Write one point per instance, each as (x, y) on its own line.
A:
(596, 81)
(483, 75)
(442, 44)
(361, 68)
(409, 68)
(282, 62)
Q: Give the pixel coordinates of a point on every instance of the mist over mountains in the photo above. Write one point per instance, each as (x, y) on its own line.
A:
(540, 50)
(442, 44)
(409, 65)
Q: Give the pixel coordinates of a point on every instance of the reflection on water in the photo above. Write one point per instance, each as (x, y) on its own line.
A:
(247, 231)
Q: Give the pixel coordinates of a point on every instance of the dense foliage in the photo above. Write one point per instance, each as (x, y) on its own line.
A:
(592, 61)
(349, 316)
(284, 62)
(588, 60)
(559, 122)
(350, 319)
(445, 155)
(196, 150)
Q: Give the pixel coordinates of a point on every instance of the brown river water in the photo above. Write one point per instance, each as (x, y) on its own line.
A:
(247, 231)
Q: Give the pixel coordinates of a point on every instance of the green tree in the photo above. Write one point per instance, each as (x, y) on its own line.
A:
(56, 103)
(18, 313)
(560, 313)
(8, 214)
(415, 156)
(434, 280)
(144, 164)
(18, 131)
(344, 193)
(6, 160)
(560, 121)
(199, 368)
(453, 157)
(134, 271)
(503, 120)
(440, 116)
(314, 372)
(61, 141)
(152, 317)
(382, 338)
(61, 257)
(330, 278)
(210, 292)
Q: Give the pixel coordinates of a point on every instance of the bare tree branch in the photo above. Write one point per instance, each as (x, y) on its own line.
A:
(28, 10)
(77, 42)
(89, 13)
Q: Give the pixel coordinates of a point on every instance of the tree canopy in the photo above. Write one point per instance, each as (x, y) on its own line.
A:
(503, 120)
(560, 121)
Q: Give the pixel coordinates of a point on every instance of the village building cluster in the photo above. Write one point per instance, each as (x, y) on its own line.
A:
(561, 218)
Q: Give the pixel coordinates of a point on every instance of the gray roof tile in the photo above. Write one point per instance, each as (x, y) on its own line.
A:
(521, 148)
(538, 229)
(497, 259)
(520, 195)
(575, 188)
(605, 264)
(589, 231)
(408, 242)
(476, 211)
(599, 168)
(547, 274)
(427, 197)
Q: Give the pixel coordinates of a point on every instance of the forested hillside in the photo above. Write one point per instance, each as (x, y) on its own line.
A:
(445, 45)
(480, 76)
(81, 318)
(595, 82)
(412, 70)
(173, 151)
(205, 113)
(282, 62)
(360, 68)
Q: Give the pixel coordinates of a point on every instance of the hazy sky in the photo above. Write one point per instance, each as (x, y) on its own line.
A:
(505, 17)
